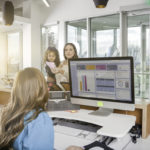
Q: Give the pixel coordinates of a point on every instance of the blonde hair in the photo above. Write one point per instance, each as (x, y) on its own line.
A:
(52, 50)
(29, 93)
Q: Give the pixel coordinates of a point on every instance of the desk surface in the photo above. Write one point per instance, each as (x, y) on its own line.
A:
(141, 104)
(5, 89)
(114, 125)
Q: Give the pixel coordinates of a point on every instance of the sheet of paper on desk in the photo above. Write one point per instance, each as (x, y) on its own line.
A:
(63, 141)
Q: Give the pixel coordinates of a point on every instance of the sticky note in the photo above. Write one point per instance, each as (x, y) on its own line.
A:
(72, 111)
(99, 104)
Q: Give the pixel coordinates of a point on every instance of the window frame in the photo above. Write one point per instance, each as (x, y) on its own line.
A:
(123, 13)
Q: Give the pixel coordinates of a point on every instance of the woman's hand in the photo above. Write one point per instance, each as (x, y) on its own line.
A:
(61, 71)
(74, 148)
(54, 70)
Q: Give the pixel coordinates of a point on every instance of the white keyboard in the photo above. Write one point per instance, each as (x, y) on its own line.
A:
(90, 136)
(67, 130)
(66, 136)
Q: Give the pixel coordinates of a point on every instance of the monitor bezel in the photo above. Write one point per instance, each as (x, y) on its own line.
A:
(106, 58)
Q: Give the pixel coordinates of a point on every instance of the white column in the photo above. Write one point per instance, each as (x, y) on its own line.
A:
(123, 34)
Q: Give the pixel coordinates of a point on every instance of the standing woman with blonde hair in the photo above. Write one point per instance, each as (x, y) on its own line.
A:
(24, 124)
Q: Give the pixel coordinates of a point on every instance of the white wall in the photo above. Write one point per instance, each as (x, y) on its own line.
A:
(3, 54)
(35, 36)
(26, 45)
(38, 14)
(35, 15)
(66, 10)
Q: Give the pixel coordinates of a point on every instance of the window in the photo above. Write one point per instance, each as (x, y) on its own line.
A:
(138, 47)
(105, 34)
(49, 38)
(77, 34)
(14, 53)
(11, 53)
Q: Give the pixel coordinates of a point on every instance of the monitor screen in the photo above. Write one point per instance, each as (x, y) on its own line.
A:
(104, 79)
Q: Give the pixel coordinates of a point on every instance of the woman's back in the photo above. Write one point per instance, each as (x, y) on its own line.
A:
(37, 134)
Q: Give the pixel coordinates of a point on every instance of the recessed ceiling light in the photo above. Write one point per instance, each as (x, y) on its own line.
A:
(46, 3)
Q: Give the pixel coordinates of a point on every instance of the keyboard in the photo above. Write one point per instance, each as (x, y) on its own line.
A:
(76, 128)
(76, 124)
(67, 130)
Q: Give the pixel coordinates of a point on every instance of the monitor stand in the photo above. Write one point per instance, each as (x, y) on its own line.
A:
(102, 112)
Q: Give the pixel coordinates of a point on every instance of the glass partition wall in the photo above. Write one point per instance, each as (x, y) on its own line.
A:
(77, 34)
(139, 48)
(49, 38)
(103, 38)
(105, 34)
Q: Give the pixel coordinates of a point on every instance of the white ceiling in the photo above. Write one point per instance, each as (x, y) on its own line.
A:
(18, 3)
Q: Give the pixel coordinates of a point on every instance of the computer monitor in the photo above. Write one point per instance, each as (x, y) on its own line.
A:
(103, 82)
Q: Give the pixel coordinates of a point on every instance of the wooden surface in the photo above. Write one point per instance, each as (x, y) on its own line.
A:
(148, 120)
(144, 106)
(4, 97)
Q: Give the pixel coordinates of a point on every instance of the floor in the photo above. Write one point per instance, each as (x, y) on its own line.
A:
(142, 144)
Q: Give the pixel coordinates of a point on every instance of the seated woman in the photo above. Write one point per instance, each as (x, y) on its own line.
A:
(25, 125)
(70, 52)
(24, 122)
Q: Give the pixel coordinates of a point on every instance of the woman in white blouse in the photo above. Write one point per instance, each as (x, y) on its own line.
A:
(70, 52)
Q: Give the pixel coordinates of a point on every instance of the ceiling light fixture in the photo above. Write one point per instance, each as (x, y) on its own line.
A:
(8, 13)
(100, 3)
(46, 3)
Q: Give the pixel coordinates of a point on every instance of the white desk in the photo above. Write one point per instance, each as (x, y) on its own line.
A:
(114, 125)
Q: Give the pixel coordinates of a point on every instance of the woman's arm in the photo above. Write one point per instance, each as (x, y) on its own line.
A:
(60, 67)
